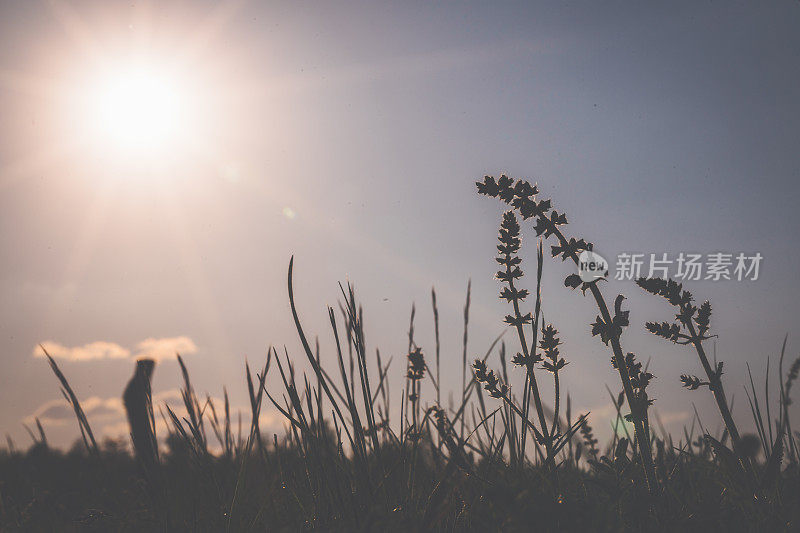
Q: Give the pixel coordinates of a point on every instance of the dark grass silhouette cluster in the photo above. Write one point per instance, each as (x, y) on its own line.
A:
(493, 458)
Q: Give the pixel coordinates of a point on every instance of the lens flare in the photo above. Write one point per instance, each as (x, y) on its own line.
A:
(137, 110)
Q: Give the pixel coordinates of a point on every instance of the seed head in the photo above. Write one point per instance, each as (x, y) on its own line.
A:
(416, 365)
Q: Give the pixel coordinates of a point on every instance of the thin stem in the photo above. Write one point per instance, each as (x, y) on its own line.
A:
(639, 417)
(556, 406)
(715, 384)
(537, 401)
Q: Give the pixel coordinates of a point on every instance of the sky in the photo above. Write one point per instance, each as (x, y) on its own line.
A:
(349, 135)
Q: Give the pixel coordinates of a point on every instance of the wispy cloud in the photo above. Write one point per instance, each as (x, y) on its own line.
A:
(159, 349)
(154, 348)
(58, 412)
(87, 352)
(105, 414)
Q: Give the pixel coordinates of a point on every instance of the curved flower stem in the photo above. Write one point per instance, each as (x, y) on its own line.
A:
(638, 411)
(715, 384)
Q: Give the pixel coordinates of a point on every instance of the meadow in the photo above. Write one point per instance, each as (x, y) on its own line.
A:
(491, 459)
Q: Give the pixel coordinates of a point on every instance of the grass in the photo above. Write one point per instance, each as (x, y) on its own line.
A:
(491, 459)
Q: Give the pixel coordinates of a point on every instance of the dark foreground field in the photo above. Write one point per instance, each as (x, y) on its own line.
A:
(492, 459)
(283, 491)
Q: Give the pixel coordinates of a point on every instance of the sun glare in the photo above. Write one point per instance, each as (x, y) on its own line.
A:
(137, 110)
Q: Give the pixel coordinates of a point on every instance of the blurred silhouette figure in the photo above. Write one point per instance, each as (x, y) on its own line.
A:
(139, 408)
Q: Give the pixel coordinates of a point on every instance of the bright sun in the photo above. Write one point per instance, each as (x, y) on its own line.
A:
(137, 110)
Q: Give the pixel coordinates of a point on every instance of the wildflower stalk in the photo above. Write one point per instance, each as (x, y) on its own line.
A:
(549, 345)
(508, 247)
(719, 395)
(520, 196)
(638, 409)
(696, 323)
